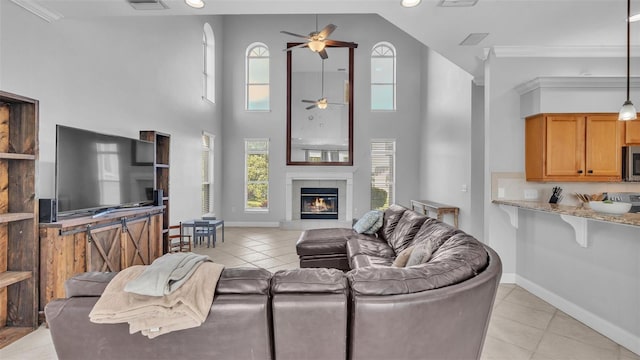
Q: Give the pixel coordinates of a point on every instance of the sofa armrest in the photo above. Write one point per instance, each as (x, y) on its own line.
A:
(309, 280)
(88, 284)
(244, 281)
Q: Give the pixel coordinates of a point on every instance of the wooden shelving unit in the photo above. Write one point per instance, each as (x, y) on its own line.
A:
(161, 163)
(19, 250)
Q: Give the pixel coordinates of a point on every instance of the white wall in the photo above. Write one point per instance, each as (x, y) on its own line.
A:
(238, 124)
(445, 149)
(117, 76)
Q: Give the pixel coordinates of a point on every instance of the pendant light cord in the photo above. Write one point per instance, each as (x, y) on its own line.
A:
(628, 46)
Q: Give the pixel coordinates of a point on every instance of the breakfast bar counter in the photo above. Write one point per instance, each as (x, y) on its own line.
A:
(632, 219)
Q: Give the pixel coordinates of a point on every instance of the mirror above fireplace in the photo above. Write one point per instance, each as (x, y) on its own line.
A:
(320, 136)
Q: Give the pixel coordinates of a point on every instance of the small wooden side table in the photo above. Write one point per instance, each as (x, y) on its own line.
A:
(425, 206)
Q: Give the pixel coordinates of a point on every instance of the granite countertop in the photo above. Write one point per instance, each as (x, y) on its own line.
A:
(579, 211)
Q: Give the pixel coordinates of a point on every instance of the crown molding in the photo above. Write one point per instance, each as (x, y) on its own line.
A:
(562, 51)
(38, 10)
(576, 82)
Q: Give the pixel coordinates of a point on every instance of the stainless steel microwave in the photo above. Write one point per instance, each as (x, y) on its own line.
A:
(631, 163)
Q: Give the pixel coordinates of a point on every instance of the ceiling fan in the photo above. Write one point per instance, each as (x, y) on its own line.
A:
(318, 40)
(321, 103)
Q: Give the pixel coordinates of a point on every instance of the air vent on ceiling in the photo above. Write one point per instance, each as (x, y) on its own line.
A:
(148, 4)
(452, 3)
(473, 39)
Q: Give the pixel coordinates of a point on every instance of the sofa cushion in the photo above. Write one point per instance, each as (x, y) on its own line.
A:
(390, 219)
(406, 229)
(326, 281)
(376, 226)
(88, 284)
(403, 257)
(367, 221)
(368, 245)
(436, 232)
(360, 261)
(244, 281)
(452, 265)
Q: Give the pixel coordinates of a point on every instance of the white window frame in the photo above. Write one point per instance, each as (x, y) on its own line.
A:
(247, 152)
(392, 182)
(210, 179)
(208, 64)
(376, 53)
(247, 58)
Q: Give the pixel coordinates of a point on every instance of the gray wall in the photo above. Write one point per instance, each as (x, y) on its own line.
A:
(238, 124)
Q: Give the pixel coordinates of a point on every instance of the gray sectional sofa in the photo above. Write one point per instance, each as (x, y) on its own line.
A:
(438, 309)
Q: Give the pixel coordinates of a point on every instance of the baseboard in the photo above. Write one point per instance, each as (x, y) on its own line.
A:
(273, 224)
(508, 278)
(613, 332)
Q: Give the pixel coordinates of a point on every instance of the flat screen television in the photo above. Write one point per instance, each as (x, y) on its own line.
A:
(97, 172)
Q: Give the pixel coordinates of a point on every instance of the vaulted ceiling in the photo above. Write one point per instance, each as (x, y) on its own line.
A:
(566, 28)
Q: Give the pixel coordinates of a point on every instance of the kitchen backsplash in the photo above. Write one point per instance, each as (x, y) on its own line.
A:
(513, 186)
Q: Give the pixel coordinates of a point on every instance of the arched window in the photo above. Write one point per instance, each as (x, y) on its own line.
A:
(257, 77)
(383, 77)
(209, 62)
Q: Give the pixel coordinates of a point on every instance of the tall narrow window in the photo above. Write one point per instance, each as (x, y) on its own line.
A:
(383, 77)
(383, 170)
(257, 77)
(257, 174)
(207, 174)
(208, 70)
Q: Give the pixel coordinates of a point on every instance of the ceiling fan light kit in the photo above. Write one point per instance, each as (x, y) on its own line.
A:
(628, 111)
(410, 3)
(316, 45)
(196, 4)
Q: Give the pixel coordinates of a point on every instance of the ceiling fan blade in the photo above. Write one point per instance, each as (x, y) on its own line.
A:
(296, 35)
(324, 33)
(330, 42)
(323, 54)
(296, 47)
(309, 101)
(331, 103)
(310, 106)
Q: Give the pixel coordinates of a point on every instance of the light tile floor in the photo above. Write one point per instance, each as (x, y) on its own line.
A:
(522, 325)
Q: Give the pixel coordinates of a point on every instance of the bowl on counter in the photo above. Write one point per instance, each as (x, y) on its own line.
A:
(610, 207)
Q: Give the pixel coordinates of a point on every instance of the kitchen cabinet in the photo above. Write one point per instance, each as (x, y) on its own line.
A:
(108, 243)
(632, 132)
(573, 147)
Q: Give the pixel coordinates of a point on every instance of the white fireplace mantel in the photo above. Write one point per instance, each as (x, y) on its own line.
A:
(344, 176)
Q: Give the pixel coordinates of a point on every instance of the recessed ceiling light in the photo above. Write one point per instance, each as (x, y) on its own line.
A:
(197, 4)
(473, 39)
(452, 3)
(410, 3)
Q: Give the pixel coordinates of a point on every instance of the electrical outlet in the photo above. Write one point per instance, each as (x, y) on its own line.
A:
(464, 188)
(530, 194)
(500, 193)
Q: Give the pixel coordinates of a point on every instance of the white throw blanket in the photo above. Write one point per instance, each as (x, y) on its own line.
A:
(185, 308)
(166, 274)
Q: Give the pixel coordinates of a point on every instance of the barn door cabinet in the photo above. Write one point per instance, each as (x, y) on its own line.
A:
(18, 217)
(109, 243)
(573, 147)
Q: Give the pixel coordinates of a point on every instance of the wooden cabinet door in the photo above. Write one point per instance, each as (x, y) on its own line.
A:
(603, 148)
(104, 248)
(135, 243)
(632, 136)
(565, 146)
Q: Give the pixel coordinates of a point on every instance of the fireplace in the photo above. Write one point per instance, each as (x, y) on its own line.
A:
(319, 203)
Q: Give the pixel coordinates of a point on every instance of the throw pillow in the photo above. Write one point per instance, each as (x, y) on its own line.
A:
(420, 254)
(403, 257)
(367, 220)
(377, 225)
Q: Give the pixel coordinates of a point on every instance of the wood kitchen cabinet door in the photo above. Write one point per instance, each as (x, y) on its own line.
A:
(603, 149)
(565, 145)
(632, 136)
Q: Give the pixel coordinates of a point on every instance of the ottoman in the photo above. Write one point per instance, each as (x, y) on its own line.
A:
(324, 248)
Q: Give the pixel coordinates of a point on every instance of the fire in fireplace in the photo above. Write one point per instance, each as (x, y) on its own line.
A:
(319, 203)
